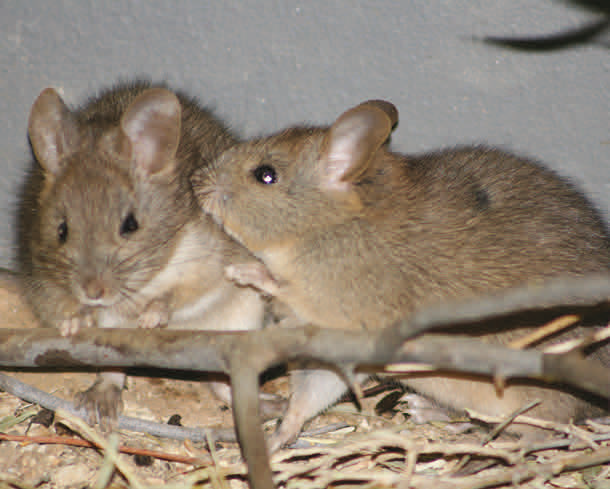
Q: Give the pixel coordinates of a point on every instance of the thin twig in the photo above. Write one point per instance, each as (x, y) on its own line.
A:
(78, 442)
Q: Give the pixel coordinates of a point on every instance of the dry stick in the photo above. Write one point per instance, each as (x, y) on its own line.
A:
(207, 351)
(32, 394)
(493, 434)
(511, 452)
(78, 442)
(586, 291)
(580, 343)
(213, 351)
(465, 355)
(553, 327)
(512, 476)
(107, 467)
(567, 429)
(254, 451)
(572, 442)
(265, 346)
(244, 386)
(596, 289)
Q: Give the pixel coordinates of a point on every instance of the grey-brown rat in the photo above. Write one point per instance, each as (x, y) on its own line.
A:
(110, 231)
(352, 235)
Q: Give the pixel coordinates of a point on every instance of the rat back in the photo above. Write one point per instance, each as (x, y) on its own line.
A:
(355, 236)
(460, 223)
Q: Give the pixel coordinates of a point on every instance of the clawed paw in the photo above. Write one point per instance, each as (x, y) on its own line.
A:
(71, 326)
(156, 315)
(252, 274)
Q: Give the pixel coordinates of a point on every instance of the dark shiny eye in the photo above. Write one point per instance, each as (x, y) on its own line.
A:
(129, 225)
(62, 232)
(265, 174)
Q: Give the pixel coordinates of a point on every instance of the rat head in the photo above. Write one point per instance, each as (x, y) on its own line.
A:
(270, 191)
(110, 201)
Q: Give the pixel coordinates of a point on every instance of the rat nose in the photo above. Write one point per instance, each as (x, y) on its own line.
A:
(94, 288)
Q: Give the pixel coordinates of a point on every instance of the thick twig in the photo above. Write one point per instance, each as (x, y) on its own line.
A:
(587, 291)
(252, 439)
(32, 394)
(180, 349)
(216, 352)
(212, 351)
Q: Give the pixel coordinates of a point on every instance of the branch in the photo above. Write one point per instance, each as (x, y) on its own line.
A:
(244, 355)
(587, 291)
(36, 396)
(225, 353)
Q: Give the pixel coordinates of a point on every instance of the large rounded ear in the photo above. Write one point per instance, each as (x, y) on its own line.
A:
(352, 142)
(152, 124)
(53, 131)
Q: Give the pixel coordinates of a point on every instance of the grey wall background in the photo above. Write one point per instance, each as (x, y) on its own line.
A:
(266, 64)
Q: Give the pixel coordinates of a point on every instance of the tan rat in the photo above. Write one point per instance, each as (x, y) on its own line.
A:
(110, 231)
(352, 235)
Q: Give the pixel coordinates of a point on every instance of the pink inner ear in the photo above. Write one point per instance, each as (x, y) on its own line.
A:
(145, 151)
(338, 162)
(152, 124)
(352, 142)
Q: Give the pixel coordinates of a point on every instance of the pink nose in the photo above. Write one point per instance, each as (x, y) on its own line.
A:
(94, 289)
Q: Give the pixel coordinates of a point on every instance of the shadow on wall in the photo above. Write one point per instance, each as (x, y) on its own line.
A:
(589, 33)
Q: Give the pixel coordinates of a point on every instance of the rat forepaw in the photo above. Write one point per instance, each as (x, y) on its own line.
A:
(252, 274)
(156, 315)
(71, 326)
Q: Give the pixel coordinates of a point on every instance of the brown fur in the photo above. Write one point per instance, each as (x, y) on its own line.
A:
(355, 236)
(128, 152)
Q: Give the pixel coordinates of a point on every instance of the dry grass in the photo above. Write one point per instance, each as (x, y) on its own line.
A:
(360, 450)
(369, 451)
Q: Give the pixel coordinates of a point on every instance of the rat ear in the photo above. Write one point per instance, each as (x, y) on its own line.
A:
(152, 124)
(353, 140)
(53, 130)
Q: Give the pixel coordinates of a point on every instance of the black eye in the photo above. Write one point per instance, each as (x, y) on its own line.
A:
(62, 232)
(265, 174)
(129, 225)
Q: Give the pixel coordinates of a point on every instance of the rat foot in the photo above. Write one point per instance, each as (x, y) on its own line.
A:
(312, 392)
(102, 401)
(71, 326)
(254, 274)
(156, 315)
(271, 405)
(422, 410)
(286, 433)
